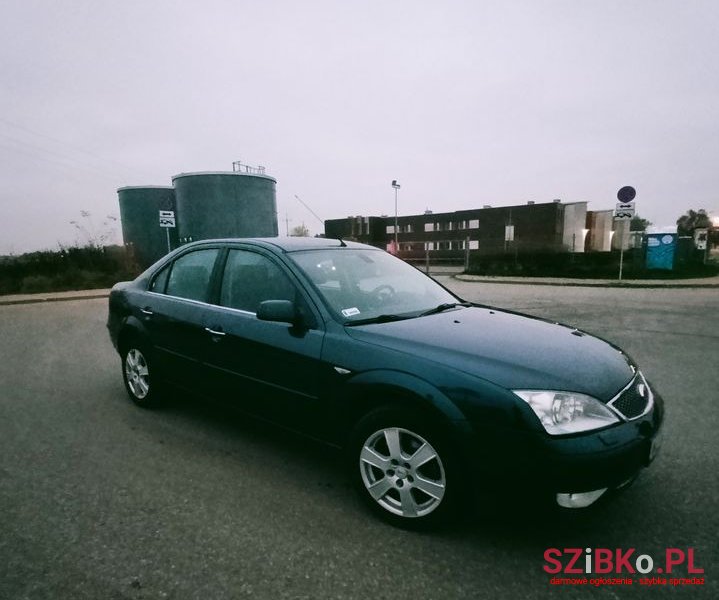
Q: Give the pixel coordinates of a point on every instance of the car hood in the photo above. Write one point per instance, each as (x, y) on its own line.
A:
(512, 350)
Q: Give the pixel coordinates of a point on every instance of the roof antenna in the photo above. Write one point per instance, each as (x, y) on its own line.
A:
(342, 244)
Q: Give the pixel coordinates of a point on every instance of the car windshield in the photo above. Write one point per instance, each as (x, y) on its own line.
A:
(364, 285)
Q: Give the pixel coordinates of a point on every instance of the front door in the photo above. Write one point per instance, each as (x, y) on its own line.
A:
(271, 369)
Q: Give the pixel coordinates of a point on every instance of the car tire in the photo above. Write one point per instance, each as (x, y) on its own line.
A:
(137, 374)
(404, 469)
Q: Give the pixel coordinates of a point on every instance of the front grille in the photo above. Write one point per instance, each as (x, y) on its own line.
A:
(633, 401)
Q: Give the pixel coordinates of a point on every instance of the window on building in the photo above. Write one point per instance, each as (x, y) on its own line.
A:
(473, 224)
(390, 229)
(474, 244)
(429, 226)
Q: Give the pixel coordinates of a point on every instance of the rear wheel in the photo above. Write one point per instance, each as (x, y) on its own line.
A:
(403, 468)
(137, 375)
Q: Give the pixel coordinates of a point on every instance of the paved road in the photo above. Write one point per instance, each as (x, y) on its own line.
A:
(99, 499)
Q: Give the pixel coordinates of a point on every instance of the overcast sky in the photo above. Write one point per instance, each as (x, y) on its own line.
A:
(464, 103)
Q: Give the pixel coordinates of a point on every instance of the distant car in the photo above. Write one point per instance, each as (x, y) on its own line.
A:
(433, 398)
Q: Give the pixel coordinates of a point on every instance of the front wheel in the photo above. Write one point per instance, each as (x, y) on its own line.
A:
(137, 376)
(403, 469)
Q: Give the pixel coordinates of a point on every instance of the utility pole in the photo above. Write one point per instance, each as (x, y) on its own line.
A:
(396, 187)
(287, 225)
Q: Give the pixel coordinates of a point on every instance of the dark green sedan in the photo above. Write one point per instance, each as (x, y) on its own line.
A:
(433, 398)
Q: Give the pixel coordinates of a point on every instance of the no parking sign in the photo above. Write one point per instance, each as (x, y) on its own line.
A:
(167, 218)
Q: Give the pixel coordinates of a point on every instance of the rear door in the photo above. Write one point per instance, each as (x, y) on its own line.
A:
(175, 316)
(271, 369)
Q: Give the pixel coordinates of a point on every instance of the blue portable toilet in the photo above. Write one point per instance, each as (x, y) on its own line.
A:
(661, 248)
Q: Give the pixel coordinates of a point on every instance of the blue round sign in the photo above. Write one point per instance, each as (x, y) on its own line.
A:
(626, 194)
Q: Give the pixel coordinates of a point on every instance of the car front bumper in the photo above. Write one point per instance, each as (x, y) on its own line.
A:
(605, 459)
(568, 467)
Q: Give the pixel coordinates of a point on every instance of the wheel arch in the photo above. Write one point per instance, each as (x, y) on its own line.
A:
(373, 390)
(392, 399)
(132, 329)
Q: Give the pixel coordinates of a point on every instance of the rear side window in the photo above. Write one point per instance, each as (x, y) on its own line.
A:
(191, 273)
(160, 281)
(251, 278)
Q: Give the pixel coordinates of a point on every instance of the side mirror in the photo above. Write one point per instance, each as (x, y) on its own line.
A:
(282, 311)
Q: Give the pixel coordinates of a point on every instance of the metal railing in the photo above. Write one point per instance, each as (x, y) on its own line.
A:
(239, 167)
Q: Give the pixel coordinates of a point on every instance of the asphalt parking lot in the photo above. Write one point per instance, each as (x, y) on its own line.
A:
(99, 499)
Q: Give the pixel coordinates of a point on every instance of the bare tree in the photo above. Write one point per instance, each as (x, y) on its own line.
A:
(300, 231)
(93, 236)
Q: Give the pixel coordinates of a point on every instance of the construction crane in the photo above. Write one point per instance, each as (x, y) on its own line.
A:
(314, 214)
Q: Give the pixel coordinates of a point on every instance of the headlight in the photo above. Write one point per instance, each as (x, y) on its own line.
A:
(567, 412)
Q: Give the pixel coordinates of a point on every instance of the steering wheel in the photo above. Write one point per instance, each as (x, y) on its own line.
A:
(383, 293)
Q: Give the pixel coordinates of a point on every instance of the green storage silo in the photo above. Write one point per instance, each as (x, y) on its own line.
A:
(220, 204)
(140, 208)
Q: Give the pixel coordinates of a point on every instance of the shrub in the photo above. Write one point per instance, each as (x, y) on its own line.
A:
(66, 269)
(600, 265)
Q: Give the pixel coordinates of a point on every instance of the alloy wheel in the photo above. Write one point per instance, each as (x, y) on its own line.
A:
(402, 472)
(137, 374)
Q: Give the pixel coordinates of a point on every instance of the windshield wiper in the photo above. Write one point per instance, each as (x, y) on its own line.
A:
(379, 319)
(443, 307)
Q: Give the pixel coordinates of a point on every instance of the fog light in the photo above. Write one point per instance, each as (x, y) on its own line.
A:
(580, 500)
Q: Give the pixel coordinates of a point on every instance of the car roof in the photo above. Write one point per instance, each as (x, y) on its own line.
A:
(291, 244)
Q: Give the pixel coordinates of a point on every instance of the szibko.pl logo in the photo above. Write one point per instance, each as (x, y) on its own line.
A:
(621, 562)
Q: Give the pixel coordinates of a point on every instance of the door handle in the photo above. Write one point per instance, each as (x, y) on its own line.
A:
(213, 332)
(146, 311)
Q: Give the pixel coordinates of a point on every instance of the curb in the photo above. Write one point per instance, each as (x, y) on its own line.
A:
(458, 276)
(584, 283)
(52, 299)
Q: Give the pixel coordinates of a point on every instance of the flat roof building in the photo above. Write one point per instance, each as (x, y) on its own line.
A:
(533, 227)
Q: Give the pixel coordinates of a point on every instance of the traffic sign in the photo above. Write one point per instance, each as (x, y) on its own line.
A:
(624, 214)
(626, 194)
(167, 218)
(625, 209)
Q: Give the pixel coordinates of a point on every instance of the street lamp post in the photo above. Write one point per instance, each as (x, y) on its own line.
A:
(396, 187)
